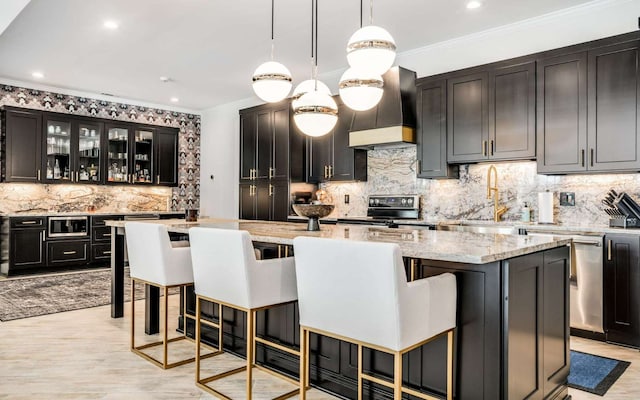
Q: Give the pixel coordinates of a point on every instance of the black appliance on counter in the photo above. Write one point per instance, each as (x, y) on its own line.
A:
(623, 211)
(392, 211)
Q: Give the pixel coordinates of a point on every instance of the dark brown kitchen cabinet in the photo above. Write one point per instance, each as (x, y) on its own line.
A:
(330, 158)
(68, 252)
(589, 110)
(268, 201)
(621, 299)
(264, 142)
(467, 118)
(72, 149)
(562, 114)
(432, 130)
(166, 157)
(491, 114)
(613, 116)
(22, 150)
(26, 243)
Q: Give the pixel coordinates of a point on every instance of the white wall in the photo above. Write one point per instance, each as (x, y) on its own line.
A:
(597, 19)
(220, 157)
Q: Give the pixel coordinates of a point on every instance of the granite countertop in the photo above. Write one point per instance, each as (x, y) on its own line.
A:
(63, 213)
(463, 247)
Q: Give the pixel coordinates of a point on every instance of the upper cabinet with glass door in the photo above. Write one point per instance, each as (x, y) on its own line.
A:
(72, 148)
(118, 150)
(58, 165)
(143, 156)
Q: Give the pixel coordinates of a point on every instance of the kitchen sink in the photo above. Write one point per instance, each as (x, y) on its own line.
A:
(476, 228)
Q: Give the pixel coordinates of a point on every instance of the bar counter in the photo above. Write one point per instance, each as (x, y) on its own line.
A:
(512, 334)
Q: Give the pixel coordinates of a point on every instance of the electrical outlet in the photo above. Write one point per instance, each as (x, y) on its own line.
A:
(567, 198)
(346, 199)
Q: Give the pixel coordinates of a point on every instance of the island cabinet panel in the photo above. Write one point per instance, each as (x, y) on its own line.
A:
(622, 289)
(22, 150)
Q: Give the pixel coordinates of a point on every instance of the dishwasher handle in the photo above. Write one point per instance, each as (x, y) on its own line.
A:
(588, 242)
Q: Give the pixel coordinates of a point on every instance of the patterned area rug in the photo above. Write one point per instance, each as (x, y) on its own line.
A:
(594, 374)
(49, 294)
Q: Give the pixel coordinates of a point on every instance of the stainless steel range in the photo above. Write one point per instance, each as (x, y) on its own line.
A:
(390, 210)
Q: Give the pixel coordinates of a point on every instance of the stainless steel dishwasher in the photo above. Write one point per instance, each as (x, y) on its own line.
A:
(585, 289)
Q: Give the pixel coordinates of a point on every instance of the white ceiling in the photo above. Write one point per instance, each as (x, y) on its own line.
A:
(210, 48)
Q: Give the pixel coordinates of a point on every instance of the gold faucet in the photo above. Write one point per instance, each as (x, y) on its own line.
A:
(497, 210)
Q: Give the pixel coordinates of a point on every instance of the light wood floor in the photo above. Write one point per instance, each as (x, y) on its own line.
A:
(85, 354)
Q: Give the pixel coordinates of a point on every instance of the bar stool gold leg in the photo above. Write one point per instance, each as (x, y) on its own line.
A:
(133, 313)
(198, 327)
(303, 364)
(250, 344)
(450, 365)
(359, 372)
(397, 376)
(165, 335)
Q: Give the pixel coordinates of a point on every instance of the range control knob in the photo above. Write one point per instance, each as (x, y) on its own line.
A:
(410, 201)
(403, 201)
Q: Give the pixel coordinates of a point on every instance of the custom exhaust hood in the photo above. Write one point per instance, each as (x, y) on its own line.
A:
(392, 123)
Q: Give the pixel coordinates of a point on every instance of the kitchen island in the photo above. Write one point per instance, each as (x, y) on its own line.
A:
(512, 337)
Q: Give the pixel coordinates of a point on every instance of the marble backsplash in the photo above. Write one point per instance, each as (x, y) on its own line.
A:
(34, 198)
(392, 171)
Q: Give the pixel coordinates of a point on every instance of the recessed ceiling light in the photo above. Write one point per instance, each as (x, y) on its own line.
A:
(37, 75)
(110, 24)
(175, 99)
(165, 79)
(473, 4)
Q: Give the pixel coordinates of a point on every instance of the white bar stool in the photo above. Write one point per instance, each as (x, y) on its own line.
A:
(358, 292)
(226, 272)
(154, 261)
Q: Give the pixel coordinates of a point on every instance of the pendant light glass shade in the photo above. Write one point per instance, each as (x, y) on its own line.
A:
(372, 50)
(316, 113)
(272, 81)
(305, 87)
(360, 91)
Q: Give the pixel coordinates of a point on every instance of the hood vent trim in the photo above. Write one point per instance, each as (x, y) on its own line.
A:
(393, 136)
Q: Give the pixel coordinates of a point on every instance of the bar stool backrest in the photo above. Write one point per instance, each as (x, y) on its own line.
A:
(225, 269)
(151, 257)
(359, 290)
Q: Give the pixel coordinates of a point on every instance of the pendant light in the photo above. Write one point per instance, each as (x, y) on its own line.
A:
(371, 49)
(272, 80)
(360, 89)
(315, 112)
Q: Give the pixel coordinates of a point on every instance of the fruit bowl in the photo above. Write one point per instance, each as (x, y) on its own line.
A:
(314, 212)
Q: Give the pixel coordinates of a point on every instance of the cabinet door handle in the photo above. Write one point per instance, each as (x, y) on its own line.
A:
(107, 235)
(42, 235)
(484, 148)
(609, 250)
(251, 174)
(272, 172)
(325, 172)
(492, 148)
(270, 190)
(582, 157)
(77, 176)
(106, 252)
(157, 179)
(67, 253)
(330, 171)
(38, 174)
(592, 157)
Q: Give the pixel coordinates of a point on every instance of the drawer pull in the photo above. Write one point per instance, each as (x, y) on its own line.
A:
(28, 222)
(106, 252)
(107, 235)
(67, 253)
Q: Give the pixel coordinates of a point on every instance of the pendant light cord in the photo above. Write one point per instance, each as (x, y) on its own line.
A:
(272, 23)
(360, 13)
(371, 12)
(315, 73)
